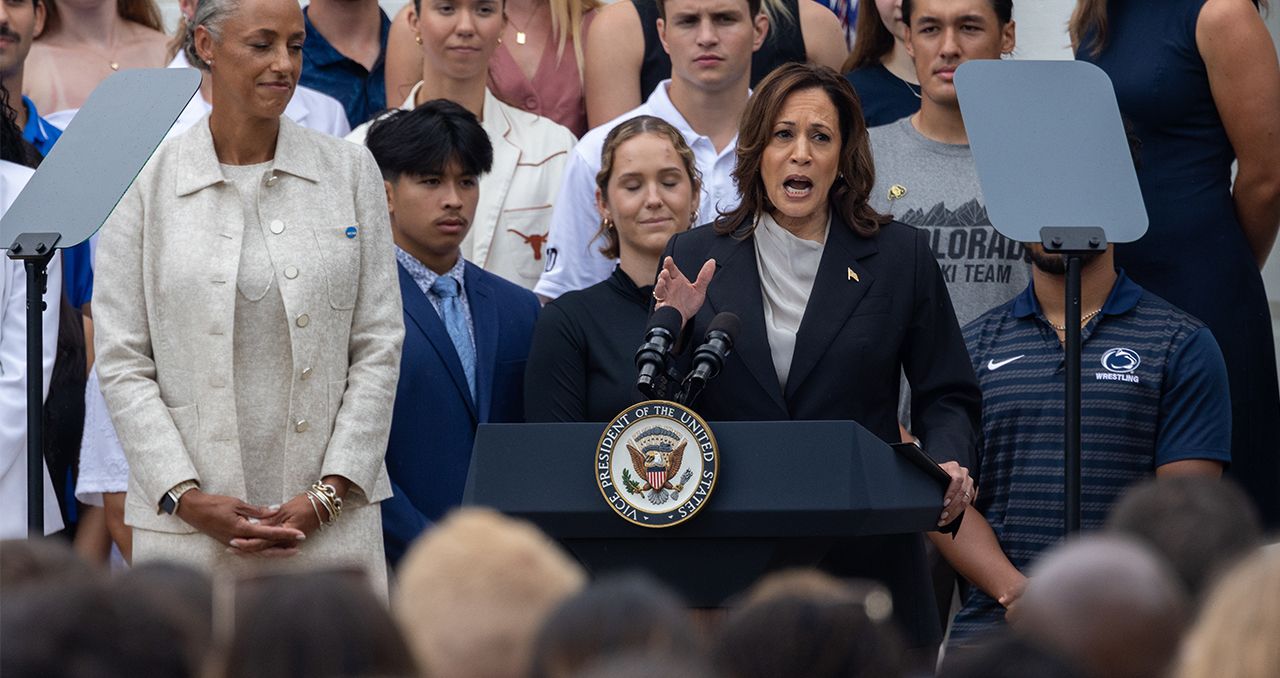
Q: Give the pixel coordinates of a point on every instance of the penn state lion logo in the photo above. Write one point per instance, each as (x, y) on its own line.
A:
(668, 470)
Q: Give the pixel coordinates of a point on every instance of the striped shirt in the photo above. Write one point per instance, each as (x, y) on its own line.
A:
(1153, 391)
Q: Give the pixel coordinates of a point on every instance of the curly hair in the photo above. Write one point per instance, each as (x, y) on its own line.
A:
(13, 148)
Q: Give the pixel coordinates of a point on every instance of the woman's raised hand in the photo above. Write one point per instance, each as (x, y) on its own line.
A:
(674, 289)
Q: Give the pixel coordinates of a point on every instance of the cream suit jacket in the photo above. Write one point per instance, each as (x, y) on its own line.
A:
(164, 310)
(509, 234)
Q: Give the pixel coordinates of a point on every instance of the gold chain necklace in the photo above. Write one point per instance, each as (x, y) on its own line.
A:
(1086, 318)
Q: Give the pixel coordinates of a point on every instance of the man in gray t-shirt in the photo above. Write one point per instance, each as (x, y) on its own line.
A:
(934, 186)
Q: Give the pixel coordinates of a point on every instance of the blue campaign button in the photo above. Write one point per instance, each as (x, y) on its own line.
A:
(351, 231)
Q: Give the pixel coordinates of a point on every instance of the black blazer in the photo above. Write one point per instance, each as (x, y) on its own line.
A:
(879, 306)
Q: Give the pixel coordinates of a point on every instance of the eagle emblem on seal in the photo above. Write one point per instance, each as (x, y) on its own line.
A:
(656, 455)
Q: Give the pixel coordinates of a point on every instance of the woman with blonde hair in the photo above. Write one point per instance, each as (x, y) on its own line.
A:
(538, 67)
(83, 42)
(580, 366)
(1235, 636)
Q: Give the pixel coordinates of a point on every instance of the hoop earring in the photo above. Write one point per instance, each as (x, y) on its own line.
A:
(418, 37)
(606, 224)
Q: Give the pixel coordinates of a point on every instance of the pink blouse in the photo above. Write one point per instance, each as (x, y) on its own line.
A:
(556, 89)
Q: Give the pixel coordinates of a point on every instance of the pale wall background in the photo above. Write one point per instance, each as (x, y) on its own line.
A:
(1041, 35)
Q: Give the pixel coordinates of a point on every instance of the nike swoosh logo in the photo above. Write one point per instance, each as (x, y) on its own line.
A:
(993, 365)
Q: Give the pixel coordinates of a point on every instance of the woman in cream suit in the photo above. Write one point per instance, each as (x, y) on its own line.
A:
(248, 320)
(513, 220)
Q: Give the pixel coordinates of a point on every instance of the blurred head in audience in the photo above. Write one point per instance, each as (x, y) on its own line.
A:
(55, 628)
(1108, 603)
(615, 615)
(646, 190)
(325, 624)
(38, 561)
(163, 619)
(1200, 526)
(810, 625)
(252, 50)
(1007, 655)
(710, 42)
(648, 665)
(431, 160)
(475, 589)
(942, 34)
(1237, 633)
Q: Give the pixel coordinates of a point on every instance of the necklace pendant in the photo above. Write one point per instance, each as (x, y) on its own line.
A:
(521, 38)
(115, 66)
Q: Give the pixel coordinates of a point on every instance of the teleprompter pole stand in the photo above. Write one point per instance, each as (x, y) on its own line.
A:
(1072, 244)
(35, 250)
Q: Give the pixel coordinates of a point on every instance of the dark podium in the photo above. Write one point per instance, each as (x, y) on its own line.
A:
(786, 491)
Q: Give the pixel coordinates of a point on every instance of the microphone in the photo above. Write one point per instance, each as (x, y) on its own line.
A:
(709, 359)
(651, 358)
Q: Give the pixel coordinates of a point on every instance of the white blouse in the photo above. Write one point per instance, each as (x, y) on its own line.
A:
(787, 266)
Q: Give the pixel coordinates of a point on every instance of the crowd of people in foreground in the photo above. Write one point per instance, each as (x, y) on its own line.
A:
(1178, 584)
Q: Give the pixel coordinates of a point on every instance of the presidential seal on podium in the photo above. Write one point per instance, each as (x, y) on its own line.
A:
(656, 463)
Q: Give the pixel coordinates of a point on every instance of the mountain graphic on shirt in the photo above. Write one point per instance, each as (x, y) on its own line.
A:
(972, 213)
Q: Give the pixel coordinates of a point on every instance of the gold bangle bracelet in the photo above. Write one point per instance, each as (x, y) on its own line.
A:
(324, 501)
(332, 501)
(316, 509)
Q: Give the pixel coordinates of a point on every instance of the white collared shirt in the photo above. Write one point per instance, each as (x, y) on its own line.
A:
(574, 260)
(13, 374)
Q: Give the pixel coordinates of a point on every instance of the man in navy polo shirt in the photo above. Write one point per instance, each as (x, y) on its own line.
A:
(1154, 400)
(344, 54)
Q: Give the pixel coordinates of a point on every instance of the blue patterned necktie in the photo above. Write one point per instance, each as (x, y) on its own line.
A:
(446, 288)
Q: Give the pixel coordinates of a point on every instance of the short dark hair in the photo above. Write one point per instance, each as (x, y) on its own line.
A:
(425, 140)
(587, 627)
(1200, 525)
(1003, 9)
(753, 8)
(313, 623)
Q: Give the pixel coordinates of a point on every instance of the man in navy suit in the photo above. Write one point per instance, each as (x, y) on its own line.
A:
(467, 332)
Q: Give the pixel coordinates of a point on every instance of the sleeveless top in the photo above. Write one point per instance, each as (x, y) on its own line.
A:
(784, 44)
(556, 88)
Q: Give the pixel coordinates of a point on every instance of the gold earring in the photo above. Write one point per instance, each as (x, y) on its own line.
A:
(499, 39)
(418, 37)
(606, 223)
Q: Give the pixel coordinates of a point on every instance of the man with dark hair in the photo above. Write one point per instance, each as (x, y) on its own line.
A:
(710, 43)
(925, 174)
(467, 331)
(20, 22)
(1154, 401)
(1201, 526)
(344, 54)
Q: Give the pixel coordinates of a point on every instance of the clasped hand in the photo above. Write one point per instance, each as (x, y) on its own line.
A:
(248, 529)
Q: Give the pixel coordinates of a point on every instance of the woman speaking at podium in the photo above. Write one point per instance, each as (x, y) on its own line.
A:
(249, 321)
(835, 302)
